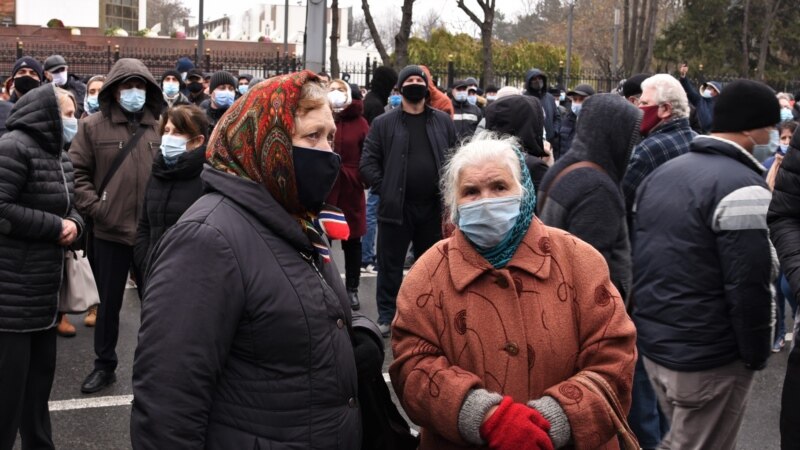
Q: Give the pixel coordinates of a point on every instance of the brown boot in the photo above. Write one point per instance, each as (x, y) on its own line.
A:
(91, 316)
(65, 328)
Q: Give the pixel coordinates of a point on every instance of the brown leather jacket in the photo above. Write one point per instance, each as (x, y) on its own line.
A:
(100, 137)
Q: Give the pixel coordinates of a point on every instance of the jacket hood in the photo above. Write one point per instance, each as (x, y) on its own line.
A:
(606, 132)
(519, 116)
(352, 111)
(188, 166)
(37, 114)
(535, 73)
(716, 85)
(123, 69)
(383, 80)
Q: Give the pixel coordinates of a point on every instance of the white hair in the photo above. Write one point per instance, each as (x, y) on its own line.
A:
(483, 148)
(507, 91)
(669, 90)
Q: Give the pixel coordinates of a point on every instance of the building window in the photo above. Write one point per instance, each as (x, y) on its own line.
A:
(122, 14)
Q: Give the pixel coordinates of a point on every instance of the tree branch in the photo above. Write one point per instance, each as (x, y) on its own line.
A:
(471, 15)
(373, 31)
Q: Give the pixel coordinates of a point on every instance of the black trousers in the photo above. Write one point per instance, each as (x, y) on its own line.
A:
(352, 263)
(112, 262)
(27, 368)
(422, 226)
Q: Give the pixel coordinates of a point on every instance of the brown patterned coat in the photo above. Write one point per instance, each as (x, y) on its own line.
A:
(521, 331)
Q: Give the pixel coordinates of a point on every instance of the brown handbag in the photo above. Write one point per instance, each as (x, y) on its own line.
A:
(599, 386)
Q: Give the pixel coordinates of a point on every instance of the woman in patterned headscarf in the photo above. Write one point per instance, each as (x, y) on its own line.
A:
(247, 339)
(509, 335)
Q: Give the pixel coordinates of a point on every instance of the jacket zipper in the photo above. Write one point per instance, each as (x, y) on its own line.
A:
(66, 187)
(310, 260)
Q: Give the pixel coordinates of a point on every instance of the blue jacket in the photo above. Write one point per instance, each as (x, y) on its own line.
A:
(703, 263)
(552, 116)
(704, 106)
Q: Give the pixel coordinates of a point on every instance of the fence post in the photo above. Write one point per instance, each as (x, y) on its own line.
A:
(208, 60)
(450, 73)
(108, 56)
(19, 49)
(560, 74)
(116, 54)
(368, 74)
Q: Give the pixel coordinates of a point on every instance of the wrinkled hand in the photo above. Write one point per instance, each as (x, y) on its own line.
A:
(515, 426)
(69, 232)
(684, 70)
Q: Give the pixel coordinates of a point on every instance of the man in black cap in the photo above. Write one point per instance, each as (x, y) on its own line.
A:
(577, 96)
(403, 155)
(466, 113)
(27, 75)
(222, 89)
(110, 191)
(56, 71)
(703, 271)
(632, 87)
(194, 87)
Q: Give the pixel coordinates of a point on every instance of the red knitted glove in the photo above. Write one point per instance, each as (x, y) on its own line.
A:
(515, 426)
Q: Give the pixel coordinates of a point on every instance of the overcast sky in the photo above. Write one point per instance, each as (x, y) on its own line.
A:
(454, 17)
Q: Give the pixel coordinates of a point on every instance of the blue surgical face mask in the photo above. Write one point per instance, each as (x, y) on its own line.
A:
(783, 148)
(576, 108)
(243, 88)
(171, 88)
(91, 104)
(172, 147)
(460, 96)
(486, 222)
(472, 99)
(395, 100)
(707, 93)
(786, 114)
(132, 100)
(762, 151)
(223, 98)
(70, 128)
(562, 97)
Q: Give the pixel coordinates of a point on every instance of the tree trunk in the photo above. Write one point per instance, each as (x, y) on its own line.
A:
(334, 39)
(772, 7)
(401, 38)
(376, 36)
(646, 50)
(744, 68)
(488, 8)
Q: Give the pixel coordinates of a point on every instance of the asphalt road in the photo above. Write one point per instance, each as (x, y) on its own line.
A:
(101, 421)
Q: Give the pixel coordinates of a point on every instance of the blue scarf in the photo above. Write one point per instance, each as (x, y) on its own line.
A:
(499, 255)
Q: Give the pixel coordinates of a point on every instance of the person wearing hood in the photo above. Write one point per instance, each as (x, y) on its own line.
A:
(183, 66)
(172, 85)
(383, 80)
(112, 194)
(703, 271)
(194, 87)
(347, 193)
(702, 101)
(222, 90)
(243, 84)
(522, 116)
(38, 220)
(91, 102)
(175, 178)
(582, 192)
(467, 114)
(567, 131)
(436, 98)
(244, 302)
(56, 71)
(536, 85)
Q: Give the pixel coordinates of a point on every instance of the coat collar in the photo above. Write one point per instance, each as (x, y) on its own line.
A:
(718, 145)
(532, 256)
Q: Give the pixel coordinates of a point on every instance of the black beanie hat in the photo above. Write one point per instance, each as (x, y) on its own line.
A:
(633, 85)
(409, 71)
(175, 74)
(745, 105)
(30, 62)
(220, 78)
(355, 92)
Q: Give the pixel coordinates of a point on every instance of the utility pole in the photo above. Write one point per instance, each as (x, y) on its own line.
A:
(615, 52)
(314, 46)
(286, 28)
(569, 38)
(200, 38)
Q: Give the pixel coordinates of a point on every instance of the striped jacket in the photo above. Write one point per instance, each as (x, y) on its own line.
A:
(703, 263)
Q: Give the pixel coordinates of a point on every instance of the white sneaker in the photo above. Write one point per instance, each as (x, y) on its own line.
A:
(386, 329)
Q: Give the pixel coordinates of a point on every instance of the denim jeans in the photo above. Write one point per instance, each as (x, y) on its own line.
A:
(368, 240)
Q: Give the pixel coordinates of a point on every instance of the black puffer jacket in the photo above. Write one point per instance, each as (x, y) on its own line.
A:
(383, 80)
(170, 191)
(36, 193)
(552, 116)
(244, 339)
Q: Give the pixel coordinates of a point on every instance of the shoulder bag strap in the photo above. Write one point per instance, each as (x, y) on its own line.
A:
(597, 384)
(562, 174)
(123, 153)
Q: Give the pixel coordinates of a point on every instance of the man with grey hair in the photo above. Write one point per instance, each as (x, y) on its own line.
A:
(668, 135)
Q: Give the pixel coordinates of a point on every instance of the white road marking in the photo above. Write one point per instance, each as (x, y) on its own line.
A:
(94, 402)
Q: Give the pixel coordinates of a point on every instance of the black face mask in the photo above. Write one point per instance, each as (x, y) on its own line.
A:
(315, 172)
(414, 93)
(24, 84)
(536, 85)
(194, 87)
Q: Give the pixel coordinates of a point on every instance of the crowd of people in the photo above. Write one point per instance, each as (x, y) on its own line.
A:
(555, 267)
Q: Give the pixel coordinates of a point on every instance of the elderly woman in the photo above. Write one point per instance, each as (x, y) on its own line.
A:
(246, 328)
(499, 326)
(37, 221)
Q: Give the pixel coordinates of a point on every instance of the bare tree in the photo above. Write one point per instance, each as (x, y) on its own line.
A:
(334, 38)
(166, 12)
(745, 63)
(359, 32)
(639, 29)
(430, 22)
(485, 25)
(376, 36)
(401, 38)
(772, 7)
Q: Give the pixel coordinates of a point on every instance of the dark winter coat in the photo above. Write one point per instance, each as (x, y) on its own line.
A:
(587, 202)
(383, 80)
(213, 114)
(348, 191)
(704, 106)
(36, 194)
(256, 328)
(383, 161)
(784, 229)
(78, 89)
(552, 116)
(567, 131)
(521, 116)
(465, 117)
(703, 264)
(116, 211)
(5, 110)
(170, 191)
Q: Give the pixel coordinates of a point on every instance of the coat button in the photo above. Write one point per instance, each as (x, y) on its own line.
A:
(511, 348)
(351, 402)
(502, 282)
(340, 323)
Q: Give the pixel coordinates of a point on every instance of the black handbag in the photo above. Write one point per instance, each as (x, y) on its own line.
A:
(383, 426)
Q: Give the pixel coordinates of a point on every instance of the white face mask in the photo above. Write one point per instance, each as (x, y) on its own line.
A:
(60, 78)
(338, 99)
